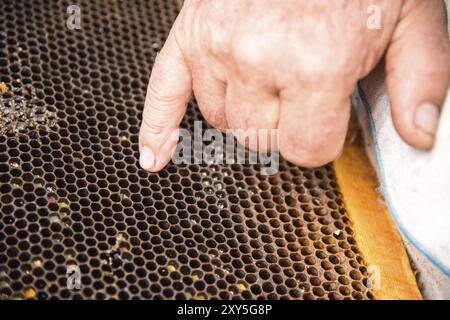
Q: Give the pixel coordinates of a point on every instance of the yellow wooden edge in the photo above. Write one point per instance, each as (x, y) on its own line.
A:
(375, 230)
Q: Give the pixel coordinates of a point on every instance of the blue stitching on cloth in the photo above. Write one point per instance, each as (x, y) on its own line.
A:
(403, 229)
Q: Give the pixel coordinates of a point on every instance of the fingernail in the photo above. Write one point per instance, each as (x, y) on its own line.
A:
(147, 158)
(427, 118)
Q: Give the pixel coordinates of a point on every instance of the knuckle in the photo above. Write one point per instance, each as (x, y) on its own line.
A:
(150, 126)
(327, 69)
(309, 154)
(250, 50)
(157, 97)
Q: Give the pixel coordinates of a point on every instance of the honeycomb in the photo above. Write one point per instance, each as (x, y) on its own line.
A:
(72, 192)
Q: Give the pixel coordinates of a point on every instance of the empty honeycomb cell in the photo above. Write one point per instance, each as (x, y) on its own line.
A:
(72, 193)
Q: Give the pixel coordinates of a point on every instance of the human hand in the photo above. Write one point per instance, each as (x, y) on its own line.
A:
(292, 65)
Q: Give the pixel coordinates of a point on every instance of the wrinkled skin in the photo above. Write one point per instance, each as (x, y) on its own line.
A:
(292, 65)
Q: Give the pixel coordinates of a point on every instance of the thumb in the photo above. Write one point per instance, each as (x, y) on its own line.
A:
(418, 71)
(168, 93)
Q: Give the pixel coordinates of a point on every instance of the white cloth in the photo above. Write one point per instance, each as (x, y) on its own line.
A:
(416, 184)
